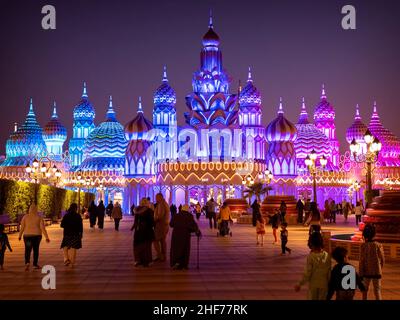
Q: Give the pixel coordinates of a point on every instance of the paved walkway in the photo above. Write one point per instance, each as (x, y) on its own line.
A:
(230, 268)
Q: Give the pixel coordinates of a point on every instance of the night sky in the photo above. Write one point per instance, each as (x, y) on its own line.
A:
(119, 47)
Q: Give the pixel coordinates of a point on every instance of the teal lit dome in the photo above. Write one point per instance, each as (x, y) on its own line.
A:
(26, 142)
(105, 146)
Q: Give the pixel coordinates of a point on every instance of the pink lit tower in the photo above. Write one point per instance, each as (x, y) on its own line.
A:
(324, 119)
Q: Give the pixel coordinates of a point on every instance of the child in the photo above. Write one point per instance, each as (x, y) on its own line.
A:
(260, 228)
(317, 270)
(284, 238)
(3, 245)
(274, 221)
(371, 262)
(335, 283)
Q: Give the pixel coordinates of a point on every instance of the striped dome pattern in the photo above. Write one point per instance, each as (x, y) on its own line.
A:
(54, 129)
(139, 126)
(281, 129)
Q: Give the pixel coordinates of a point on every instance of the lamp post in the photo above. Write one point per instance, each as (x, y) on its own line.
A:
(43, 169)
(310, 162)
(370, 157)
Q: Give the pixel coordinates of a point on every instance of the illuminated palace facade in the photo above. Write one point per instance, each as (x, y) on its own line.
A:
(221, 144)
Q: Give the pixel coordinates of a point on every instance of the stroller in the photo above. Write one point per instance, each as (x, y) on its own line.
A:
(223, 228)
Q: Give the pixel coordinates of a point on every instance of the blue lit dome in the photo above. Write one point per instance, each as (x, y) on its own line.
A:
(54, 129)
(139, 126)
(105, 146)
(164, 96)
(249, 96)
(84, 110)
(281, 129)
(26, 142)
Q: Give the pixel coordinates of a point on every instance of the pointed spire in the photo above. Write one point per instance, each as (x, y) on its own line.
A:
(54, 116)
(165, 79)
(31, 112)
(280, 111)
(249, 78)
(210, 21)
(323, 94)
(84, 92)
(303, 113)
(15, 127)
(357, 116)
(375, 111)
(140, 109)
(110, 111)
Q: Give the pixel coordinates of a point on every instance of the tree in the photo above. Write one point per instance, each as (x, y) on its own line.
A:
(257, 189)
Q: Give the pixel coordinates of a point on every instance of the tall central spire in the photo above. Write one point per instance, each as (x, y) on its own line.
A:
(210, 21)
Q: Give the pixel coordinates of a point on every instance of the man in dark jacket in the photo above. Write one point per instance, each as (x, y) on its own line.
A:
(300, 209)
(101, 210)
(255, 211)
(183, 225)
(109, 209)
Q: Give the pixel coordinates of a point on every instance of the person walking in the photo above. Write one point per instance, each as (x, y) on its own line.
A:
(307, 211)
(73, 232)
(327, 210)
(132, 209)
(284, 238)
(358, 211)
(109, 209)
(183, 225)
(143, 236)
(315, 218)
(161, 227)
(211, 215)
(224, 217)
(275, 220)
(101, 210)
(260, 229)
(282, 209)
(372, 259)
(32, 228)
(4, 244)
(173, 210)
(300, 211)
(346, 210)
(333, 211)
(92, 214)
(198, 210)
(317, 270)
(255, 211)
(117, 215)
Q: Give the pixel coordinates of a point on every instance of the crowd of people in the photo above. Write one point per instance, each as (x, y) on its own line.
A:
(153, 221)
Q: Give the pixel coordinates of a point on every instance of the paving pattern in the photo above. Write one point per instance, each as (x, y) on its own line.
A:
(230, 268)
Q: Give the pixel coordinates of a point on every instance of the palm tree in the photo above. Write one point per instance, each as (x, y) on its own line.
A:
(257, 189)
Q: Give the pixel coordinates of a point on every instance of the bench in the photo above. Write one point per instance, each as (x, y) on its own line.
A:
(9, 226)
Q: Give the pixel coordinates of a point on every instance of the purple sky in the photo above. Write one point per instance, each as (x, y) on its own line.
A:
(119, 47)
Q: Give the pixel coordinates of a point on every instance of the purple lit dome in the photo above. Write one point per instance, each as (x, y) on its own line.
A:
(54, 129)
(357, 129)
(281, 129)
(139, 126)
(309, 138)
(84, 110)
(324, 110)
(211, 39)
(390, 143)
(249, 96)
(164, 96)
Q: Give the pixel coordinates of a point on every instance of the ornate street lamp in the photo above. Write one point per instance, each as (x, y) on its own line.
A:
(310, 162)
(370, 157)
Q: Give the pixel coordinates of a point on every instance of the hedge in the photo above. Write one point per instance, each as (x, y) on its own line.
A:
(17, 196)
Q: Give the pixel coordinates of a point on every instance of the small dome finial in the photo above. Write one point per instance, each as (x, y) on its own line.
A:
(303, 104)
(323, 93)
(375, 107)
(249, 77)
(31, 112)
(210, 21)
(280, 111)
(84, 93)
(165, 79)
(357, 112)
(110, 111)
(140, 109)
(15, 127)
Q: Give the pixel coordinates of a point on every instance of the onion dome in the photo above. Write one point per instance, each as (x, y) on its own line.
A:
(54, 130)
(357, 129)
(281, 129)
(249, 95)
(390, 143)
(164, 96)
(324, 110)
(26, 142)
(211, 39)
(105, 146)
(139, 126)
(84, 110)
(309, 138)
